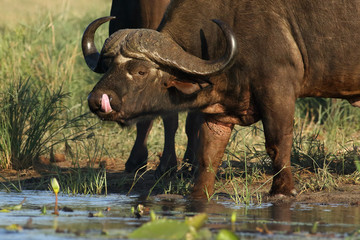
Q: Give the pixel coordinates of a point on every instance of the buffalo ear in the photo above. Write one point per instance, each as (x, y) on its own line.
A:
(186, 87)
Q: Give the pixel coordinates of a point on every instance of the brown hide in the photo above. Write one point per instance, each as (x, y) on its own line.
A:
(286, 50)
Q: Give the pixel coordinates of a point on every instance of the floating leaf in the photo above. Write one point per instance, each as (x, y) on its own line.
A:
(15, 207)
(197, 221)
(98, 214)
(14, 228)
(161, 229)
(4, 210)
(225, 234)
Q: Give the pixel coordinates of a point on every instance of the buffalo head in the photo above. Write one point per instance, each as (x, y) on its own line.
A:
(146, 73)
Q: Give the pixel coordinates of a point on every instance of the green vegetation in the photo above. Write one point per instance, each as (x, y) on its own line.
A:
(56, 188)
(84, 181)
(43, 107)
(31, 121)
(190, 229)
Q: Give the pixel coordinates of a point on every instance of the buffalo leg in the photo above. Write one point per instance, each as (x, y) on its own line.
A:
(192, 127)
(278, 123)
(214, 137)
(168, 160)
(139, 153)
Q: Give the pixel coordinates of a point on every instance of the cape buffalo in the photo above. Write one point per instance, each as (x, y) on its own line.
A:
(148, 14)
(251, 65)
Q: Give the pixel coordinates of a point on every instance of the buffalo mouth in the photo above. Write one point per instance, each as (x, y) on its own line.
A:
(121, 119)
(104, 107)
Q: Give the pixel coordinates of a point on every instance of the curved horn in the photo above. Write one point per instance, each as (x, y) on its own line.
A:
(91, 54)
(163, 50)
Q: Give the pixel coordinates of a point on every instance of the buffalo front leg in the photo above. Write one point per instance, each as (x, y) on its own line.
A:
(139, 153)
(278, 123)
(168, 162)
(193, 123)
(214, 137)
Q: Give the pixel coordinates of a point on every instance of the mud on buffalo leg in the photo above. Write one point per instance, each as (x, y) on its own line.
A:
(168, 160)
(278, 119)
(214, 137)
(139, 153)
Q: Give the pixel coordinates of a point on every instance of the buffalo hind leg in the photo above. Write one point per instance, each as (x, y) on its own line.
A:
(168, 162)
(139, 153)
(214, 137)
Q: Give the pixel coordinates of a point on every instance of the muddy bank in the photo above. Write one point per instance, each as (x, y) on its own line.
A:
(118, 181)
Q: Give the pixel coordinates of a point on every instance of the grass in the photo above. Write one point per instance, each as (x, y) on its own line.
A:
(31, 124)
(42, 62)
(83, 181)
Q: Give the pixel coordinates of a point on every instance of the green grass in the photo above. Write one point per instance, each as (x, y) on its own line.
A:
(32, 121)
(83, 181)
(44, 48)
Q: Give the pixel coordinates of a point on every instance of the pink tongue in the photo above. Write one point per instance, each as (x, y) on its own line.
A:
(105, 103)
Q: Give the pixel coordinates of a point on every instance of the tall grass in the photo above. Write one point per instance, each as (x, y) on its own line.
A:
(32, 121)
(48, 107)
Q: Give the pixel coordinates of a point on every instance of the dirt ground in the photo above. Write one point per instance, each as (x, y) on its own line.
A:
(118, 181)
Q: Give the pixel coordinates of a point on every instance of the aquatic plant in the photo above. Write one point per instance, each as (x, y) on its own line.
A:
(56, 188)
(191, 228)
(83, 181)
(14, 207)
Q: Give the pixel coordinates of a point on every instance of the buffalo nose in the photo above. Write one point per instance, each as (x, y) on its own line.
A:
(94, 102)
(98, 101)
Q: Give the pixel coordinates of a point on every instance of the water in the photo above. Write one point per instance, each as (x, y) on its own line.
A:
(265, 221)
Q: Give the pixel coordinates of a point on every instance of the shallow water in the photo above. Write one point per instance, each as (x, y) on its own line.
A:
(265, 221)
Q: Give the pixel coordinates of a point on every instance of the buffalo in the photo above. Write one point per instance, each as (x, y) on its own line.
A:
(236, 61)
(148, 14)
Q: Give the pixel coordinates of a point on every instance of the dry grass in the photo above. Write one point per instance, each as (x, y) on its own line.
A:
(13, 12)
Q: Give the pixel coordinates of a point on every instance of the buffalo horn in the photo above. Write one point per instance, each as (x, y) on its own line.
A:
(163, 50)
(91, 54)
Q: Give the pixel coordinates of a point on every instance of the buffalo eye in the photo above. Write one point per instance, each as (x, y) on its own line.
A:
(140, 73)
(138, 69)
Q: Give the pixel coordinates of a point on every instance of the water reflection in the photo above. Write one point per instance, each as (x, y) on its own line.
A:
(281, 219)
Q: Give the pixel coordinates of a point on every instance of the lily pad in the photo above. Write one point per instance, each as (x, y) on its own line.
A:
(161, 229)
(225, 234)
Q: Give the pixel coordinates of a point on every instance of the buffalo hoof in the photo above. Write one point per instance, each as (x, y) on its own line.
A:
(189, 157)
(187, 170)
(137, 160)
(167, 166)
